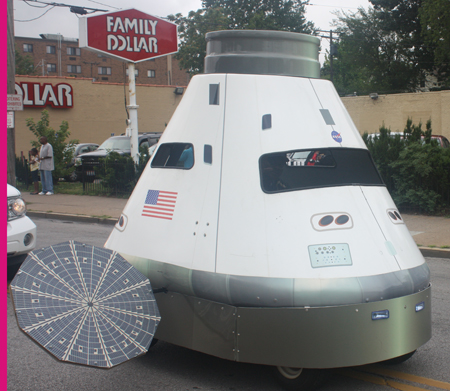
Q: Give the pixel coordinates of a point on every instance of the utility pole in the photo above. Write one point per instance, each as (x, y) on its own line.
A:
(333, 49)
(11, 139)
(331, 56)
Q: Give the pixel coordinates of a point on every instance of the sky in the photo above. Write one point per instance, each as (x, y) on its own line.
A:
(59, 20)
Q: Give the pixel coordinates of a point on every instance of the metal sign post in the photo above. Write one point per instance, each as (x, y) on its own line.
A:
(132, 109)
(132, 36)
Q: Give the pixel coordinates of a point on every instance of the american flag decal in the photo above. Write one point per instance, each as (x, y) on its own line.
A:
(159, 204)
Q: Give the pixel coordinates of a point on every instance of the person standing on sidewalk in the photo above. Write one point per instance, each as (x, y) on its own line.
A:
(46, 166)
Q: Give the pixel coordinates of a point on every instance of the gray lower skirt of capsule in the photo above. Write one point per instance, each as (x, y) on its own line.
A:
(284, 292)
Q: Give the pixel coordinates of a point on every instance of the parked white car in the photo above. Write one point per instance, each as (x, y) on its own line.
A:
(21, 230)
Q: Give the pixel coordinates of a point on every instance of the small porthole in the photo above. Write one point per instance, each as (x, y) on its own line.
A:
(121, 223)
(398, 215)
(326, 220)
(392, 216)
(342, 219)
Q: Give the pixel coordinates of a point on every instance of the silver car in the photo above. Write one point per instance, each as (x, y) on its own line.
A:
(20, 229)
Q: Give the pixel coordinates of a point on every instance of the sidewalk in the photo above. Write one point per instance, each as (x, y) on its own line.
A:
(75, 208)
(431, 233)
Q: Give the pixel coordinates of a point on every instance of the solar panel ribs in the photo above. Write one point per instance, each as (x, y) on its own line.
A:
(85, 304)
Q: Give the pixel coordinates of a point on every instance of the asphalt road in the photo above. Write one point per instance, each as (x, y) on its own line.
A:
(169, 367)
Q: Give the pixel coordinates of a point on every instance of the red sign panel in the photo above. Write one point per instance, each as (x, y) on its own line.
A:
(59, 96)
(131, 35)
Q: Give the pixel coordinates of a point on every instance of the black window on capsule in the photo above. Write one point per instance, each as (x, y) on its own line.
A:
(174, 155)
(315, 168)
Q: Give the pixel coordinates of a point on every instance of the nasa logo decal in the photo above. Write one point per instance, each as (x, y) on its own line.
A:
(336, 136)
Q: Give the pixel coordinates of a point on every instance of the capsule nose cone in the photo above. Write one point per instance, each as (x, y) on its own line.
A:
(262, 52)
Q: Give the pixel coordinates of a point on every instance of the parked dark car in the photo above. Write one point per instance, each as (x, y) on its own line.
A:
(78, 149)
(87, 162)
(441, 140)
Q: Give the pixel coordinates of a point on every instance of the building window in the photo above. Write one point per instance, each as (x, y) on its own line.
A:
(51, 68)
(136, 72)
(151, 73)
(104, 70)
(72, 51)
(51, 49)
(74, 68)
(28, 47)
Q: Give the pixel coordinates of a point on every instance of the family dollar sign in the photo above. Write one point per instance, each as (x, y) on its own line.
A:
(130, 35)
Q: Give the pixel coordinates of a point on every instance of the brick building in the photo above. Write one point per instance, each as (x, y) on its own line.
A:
(55, 55)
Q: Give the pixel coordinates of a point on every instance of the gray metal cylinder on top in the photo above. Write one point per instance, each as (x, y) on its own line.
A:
(262, 52)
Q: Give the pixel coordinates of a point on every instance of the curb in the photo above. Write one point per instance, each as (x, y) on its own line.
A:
(70, 217)
(435, 252)
(426, 251)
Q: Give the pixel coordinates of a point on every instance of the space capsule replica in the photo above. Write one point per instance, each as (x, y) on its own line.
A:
(263, 217)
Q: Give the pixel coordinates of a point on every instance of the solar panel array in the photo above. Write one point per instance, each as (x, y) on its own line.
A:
(85, 304)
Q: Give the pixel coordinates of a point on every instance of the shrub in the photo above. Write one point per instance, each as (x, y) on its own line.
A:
(422, 177)
(144, 157)
(119, 172)
(57, 139)
(415, 169)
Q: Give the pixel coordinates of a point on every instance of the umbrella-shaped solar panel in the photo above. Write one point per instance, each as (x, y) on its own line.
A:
(85, 304)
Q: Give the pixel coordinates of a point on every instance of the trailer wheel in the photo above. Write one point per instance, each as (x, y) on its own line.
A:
(399, 359)
(299, 379)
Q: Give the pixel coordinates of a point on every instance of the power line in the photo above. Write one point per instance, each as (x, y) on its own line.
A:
(29, 20)
(106, 5)
(35, 6)
(73, 8)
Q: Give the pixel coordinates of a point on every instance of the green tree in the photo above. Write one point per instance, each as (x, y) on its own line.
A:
(62, 151)
(24, 65)
(402, 18)
(192, 30)
(372, 57)
(435, 22)
(287, 15)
